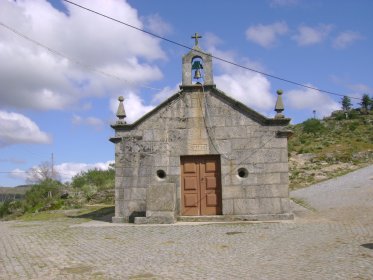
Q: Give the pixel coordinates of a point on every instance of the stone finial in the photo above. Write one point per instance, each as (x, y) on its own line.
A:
(279, 105)
(121, 114)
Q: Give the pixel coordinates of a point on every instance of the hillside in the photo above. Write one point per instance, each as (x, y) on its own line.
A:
(13, 193)
(322, 149)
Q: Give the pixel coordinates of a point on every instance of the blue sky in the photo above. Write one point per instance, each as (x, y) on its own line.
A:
(64, 104)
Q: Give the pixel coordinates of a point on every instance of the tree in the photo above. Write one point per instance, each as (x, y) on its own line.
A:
(42, 172)
(95, 182)
(313, 126)
(44, 195)
(365, 102)
(102, 179)
(346, 103)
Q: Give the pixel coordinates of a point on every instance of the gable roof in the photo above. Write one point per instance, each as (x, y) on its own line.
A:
(242, 108)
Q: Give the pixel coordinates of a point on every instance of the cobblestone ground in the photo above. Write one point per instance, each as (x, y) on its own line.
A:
(333, 242)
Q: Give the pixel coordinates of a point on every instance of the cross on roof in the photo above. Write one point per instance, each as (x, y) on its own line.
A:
(196, 37)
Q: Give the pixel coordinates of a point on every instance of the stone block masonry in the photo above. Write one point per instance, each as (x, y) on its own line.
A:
(203, 152)
(195, 123)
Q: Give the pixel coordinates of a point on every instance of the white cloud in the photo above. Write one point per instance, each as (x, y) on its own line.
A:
(164, 94)
(65, 170)
(250, 88)
(156, 24)
(129, 72)
(33, 77)
(133, 105)
(308, 35)
(16, 129)
(211, 41)
(13, 160)
(356, 89)
(90, 121)
(18, 174)
(283, 3)
(361, 88)
(309, 99)
(266, 35)
(344, 39)
(68, 170)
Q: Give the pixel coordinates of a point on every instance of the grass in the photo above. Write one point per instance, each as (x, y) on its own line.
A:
(302, 203)
(42, 216)
(142, 276)
(87, 213)
(81, 269)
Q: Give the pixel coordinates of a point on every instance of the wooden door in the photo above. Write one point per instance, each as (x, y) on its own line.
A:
(200, 185)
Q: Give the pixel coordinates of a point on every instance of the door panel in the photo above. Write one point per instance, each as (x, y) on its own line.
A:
(190, 167)
(190, 200)
(190, 183)
(210, 166)
(200, 185)
(211, 183)
(212, 200)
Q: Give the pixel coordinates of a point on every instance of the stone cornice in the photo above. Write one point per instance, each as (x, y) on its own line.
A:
(215, 92)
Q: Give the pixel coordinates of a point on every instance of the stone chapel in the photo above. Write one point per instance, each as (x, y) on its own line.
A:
(201, 156)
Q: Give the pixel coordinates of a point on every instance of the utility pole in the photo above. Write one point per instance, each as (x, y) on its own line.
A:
(52, 161)
(52, 171)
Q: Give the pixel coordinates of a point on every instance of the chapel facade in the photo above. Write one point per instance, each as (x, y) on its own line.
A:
(201, 155)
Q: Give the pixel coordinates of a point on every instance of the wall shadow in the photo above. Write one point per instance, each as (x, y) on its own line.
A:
(367, 245)
(103, 214)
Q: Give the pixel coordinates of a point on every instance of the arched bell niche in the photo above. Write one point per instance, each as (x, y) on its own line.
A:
(198, 73)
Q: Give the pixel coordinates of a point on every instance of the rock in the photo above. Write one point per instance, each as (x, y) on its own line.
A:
(64, 195)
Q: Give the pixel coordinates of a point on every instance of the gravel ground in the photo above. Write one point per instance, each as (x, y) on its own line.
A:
(335, 241)
(345, 198)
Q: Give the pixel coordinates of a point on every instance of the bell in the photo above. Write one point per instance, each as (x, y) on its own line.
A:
(197, 74)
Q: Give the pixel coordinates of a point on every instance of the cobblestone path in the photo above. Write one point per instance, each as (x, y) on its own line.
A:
(333, 242)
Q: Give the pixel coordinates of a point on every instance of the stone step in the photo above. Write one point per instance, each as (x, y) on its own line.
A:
(230, 218)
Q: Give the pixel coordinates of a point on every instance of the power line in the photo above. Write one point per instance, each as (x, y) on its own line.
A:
(29, 171)
(79, 63)
(213, 56)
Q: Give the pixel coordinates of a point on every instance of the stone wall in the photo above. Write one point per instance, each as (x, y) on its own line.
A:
(245, 141)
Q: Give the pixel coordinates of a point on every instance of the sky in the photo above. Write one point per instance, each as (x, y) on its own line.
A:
(62, 68)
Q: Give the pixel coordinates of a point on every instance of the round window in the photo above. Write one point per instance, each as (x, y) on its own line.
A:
(161, 174)
(242, 172)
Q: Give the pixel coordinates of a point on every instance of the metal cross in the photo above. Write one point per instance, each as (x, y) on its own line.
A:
(196, 37)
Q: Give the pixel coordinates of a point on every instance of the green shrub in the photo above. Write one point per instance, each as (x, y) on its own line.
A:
(95, 185)
(92, 184)
(4, 208)
(43, 196)
(11, 207)
(89, 191)
(313, 126)
(340, 116)
(353, 126)
(101, 179)
(353, 114)
(303, 139)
